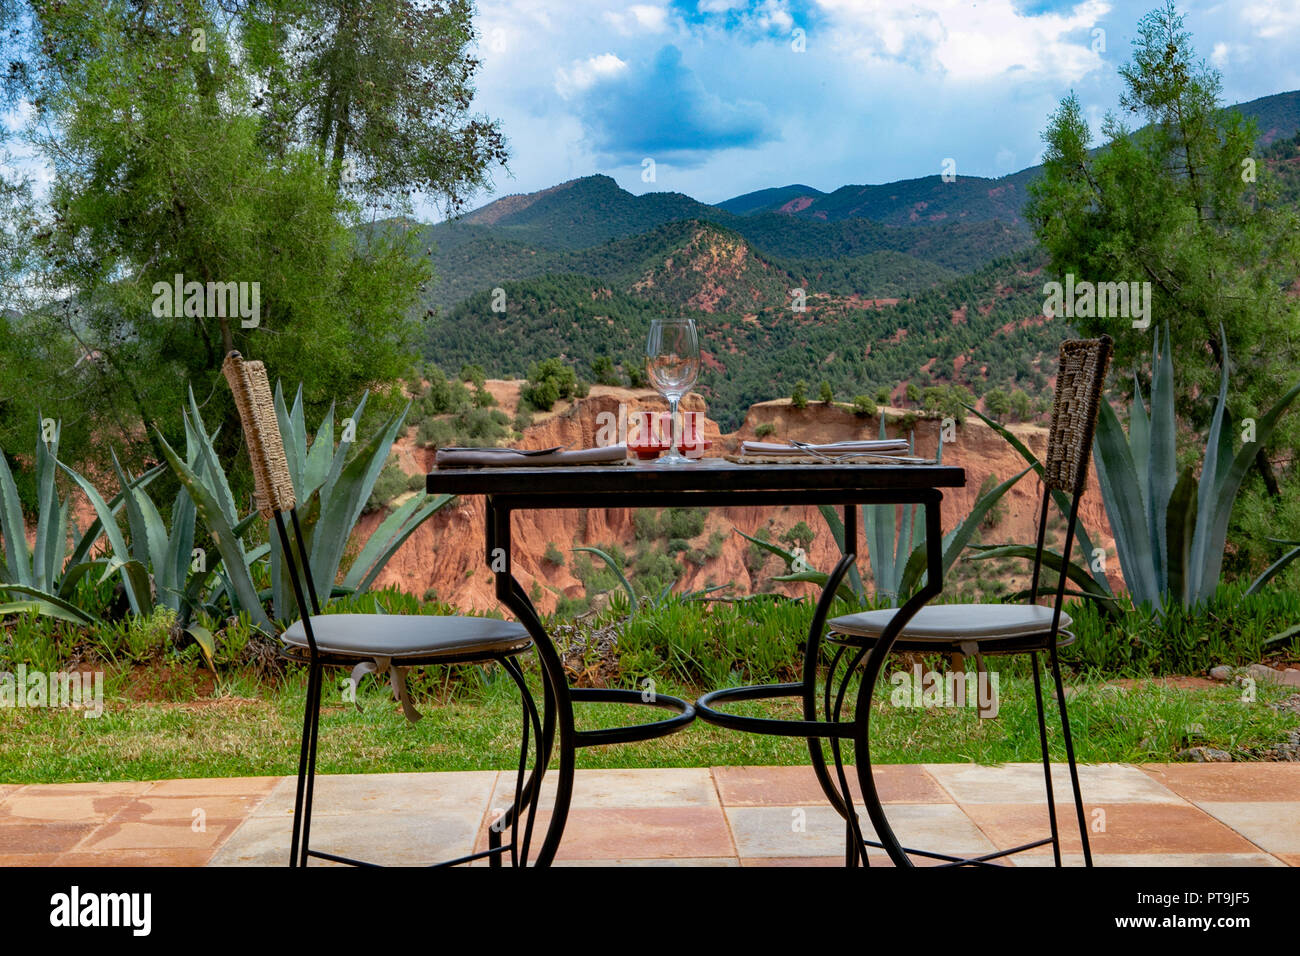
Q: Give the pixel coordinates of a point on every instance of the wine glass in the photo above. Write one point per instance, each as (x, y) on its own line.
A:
(673, 364)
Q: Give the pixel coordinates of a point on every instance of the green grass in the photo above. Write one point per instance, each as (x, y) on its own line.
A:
(248, 728)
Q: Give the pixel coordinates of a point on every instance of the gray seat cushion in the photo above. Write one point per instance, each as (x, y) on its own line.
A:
(408, 635)
(956, 622)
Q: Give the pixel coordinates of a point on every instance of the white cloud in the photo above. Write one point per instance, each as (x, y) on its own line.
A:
(639, 18)
(1272, 18)
(584, 74)
(971, 41)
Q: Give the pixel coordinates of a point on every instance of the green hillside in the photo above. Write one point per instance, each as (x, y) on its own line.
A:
(981, 331)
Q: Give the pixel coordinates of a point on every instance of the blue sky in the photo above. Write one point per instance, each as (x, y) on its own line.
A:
(727, 96)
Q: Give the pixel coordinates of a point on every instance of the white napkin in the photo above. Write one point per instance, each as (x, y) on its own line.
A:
(882, 446)
(512, 458)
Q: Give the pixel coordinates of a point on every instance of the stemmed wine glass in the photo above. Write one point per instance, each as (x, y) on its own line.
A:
(673, 364)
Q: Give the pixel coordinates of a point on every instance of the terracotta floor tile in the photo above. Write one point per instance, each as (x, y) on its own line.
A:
(665, 833)
(713, 861)
(1151, 859)
(62, 808)
(1130, 828)
(31, 859)
(819, 831)
(1229, 782)
(153, 809)
(350, 794)
(147, 836)
(214, 786)
(1273, 827)
(797, 786)
(42, 837)
(388, 839)
(1023, 783)
(161, 856)
(623, 789)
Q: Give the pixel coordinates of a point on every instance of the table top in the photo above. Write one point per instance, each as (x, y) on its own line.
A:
(704, 474)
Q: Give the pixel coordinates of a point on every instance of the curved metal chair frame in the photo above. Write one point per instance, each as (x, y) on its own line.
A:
(274, 495)
(1078, 393)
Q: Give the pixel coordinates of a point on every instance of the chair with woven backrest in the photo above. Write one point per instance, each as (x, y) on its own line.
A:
(971, 630)
(367, 642)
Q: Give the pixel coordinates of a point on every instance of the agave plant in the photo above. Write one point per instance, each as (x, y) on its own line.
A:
(46, 575)
(897, 549)
(1089, 580)
(636, 601)
(179, 581)
(331, 485)
(1171, 527)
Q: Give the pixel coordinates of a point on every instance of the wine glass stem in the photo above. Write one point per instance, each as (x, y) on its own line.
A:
(672, 426)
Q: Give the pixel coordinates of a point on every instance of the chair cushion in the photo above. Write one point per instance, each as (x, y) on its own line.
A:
(408, 635)
(948, 622)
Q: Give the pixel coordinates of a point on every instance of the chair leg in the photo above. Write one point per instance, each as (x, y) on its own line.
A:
(313, 705)
(1047, 759)
(1069, 757)
(527, 792)
(312, 674)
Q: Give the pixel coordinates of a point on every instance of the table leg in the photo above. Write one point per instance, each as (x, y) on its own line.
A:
(875, 663)
(557, 702)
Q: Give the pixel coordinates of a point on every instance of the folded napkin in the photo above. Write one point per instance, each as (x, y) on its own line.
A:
(883, 446)
(515, 457)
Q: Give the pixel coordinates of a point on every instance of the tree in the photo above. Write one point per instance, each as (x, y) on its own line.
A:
(799, 397)
(1021, 406)
(997, 402)
(800, 535)
(864, 406)
(549, 381)
(882, 395)
(603, 371)
(1186, 204)
(912, 393)
(165, 164)
(825, 395)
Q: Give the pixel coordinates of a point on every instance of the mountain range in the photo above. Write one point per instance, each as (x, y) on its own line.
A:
(866, 287)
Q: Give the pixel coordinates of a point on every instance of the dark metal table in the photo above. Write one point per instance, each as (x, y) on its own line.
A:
(709, 482)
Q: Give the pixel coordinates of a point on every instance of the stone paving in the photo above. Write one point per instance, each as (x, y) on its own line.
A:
(1150, 815)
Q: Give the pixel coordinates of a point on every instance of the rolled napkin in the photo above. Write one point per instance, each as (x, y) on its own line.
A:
(882, 446)
(519, 458)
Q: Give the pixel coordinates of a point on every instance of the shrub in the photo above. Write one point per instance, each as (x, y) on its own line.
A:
(765, 429)
(824, 394)
(882, 395)
(800, 534)
(799, 397)
(553, 555)
(548, 382)
(863, 406)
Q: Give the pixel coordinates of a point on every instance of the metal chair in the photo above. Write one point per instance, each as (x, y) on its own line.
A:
(378, 642)
(977, 630)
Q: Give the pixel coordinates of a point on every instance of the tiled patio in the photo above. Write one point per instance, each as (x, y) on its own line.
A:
(1158, 814)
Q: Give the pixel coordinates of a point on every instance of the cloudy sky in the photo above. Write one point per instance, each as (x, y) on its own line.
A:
(727, 96)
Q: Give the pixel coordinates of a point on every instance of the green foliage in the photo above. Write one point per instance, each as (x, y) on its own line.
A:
(553, 556)
(764, 430)
(603, 371)
(799, 397)
(331, 486)
(863, 406)
(1171, 523)
(998, 403)
(800, 535)
(825, 394)
(44, 577)
(1220, 251)
(549, 381)
(882, 395)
